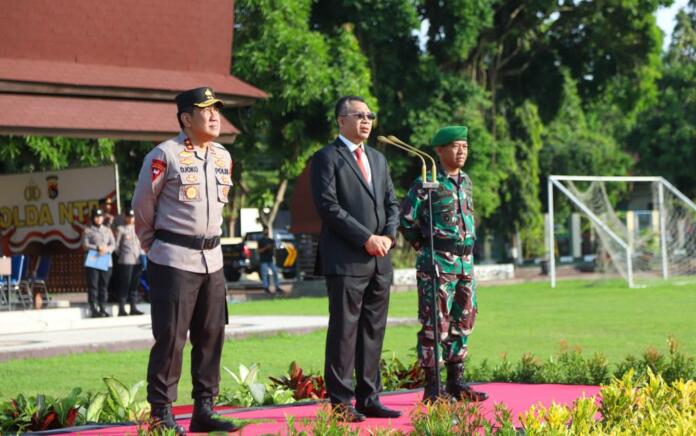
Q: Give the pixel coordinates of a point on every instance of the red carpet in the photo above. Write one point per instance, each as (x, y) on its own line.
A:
(517, 397)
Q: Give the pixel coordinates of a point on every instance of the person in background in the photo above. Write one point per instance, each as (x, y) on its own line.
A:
(107, 207)
(128, 253)
(266, 252)
(98, 237)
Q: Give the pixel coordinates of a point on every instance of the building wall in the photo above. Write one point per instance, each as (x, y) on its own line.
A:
(156, 33)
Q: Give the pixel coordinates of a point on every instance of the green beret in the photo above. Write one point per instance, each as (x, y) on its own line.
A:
(449, 134)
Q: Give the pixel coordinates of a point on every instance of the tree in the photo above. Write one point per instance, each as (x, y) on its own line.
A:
(664, 138)
(575, 146)
(304, 72)
(41, 153)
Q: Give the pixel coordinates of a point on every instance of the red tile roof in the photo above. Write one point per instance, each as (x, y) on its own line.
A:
(186, 35)
(109, 76)
(93, 118)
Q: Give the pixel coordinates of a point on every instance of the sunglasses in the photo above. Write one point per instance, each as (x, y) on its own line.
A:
(362, 115)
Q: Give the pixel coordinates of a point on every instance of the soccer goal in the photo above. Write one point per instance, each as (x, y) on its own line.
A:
(645, 228)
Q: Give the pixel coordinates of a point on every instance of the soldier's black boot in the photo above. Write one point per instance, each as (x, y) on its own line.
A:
(456, 386)
(162, 419)
(430, 391)
(205, 420)
(93, 311)
(134, 309)
(102, 311)
(122, 309)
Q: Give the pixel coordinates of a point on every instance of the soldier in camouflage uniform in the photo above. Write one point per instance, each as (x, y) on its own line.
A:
(454, 235)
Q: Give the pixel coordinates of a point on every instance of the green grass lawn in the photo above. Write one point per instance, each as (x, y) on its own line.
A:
(532, 317)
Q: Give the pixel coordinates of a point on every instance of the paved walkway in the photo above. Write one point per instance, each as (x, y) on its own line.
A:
(41, 335)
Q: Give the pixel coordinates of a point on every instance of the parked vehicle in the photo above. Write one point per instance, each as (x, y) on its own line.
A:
(235, 257)
(242, 257)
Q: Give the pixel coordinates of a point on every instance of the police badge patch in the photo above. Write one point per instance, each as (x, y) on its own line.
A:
(157, 168)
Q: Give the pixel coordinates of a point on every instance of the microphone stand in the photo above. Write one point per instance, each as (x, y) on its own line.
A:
(429, 186)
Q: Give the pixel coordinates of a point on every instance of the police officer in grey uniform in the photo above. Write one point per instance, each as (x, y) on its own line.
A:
(99, 238)
(178, 202)
(128, 272)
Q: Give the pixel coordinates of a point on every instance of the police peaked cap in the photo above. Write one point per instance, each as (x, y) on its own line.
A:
(199, 97)
(449, 134)
(97, 212)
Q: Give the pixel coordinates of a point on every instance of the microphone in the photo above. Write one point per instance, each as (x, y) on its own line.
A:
(408, 150)
(433, 170)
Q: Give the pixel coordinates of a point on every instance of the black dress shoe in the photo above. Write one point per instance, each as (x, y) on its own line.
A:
(378, 411)
(347, 413)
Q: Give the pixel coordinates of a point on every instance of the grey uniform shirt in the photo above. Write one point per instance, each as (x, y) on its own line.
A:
(127, 245)
(93, 237)
(183, 190)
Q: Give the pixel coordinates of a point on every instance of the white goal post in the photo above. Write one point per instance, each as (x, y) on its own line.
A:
(611, 231)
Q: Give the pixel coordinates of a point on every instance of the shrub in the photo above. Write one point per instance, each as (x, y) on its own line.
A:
(302, 386)
(396, 375)
(629, 405)
(23, 414)
(248, 392)
(327, 422)
(445, 418)
(677, 366)
(117, 404)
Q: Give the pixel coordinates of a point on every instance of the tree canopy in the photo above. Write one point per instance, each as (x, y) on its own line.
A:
(545, 86)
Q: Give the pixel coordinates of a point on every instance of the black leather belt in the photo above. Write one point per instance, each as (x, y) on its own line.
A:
(193, 242)
(454, 247)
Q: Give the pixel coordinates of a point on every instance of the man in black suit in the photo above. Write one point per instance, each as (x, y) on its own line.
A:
(354, 197)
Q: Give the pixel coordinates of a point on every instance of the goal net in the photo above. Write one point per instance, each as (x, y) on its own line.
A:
(645, 228)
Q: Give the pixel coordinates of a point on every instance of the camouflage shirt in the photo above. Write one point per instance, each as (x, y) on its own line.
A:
(453, 209)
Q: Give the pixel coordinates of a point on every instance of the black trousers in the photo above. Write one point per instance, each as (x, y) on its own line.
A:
(357, 322)
(97, 284)
(128, 281)
(182, 301)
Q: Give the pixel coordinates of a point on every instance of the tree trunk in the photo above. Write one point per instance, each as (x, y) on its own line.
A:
(279, 198)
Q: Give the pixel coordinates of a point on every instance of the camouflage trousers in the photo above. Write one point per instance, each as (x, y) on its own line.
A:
(456, 303)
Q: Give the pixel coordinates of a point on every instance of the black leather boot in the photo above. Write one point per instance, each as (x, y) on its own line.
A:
(122, 310)
(162, 419)
(430, 391)
(134, 309)
(205, 420)
(94, 312)
(103, 312)
(456, 386)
